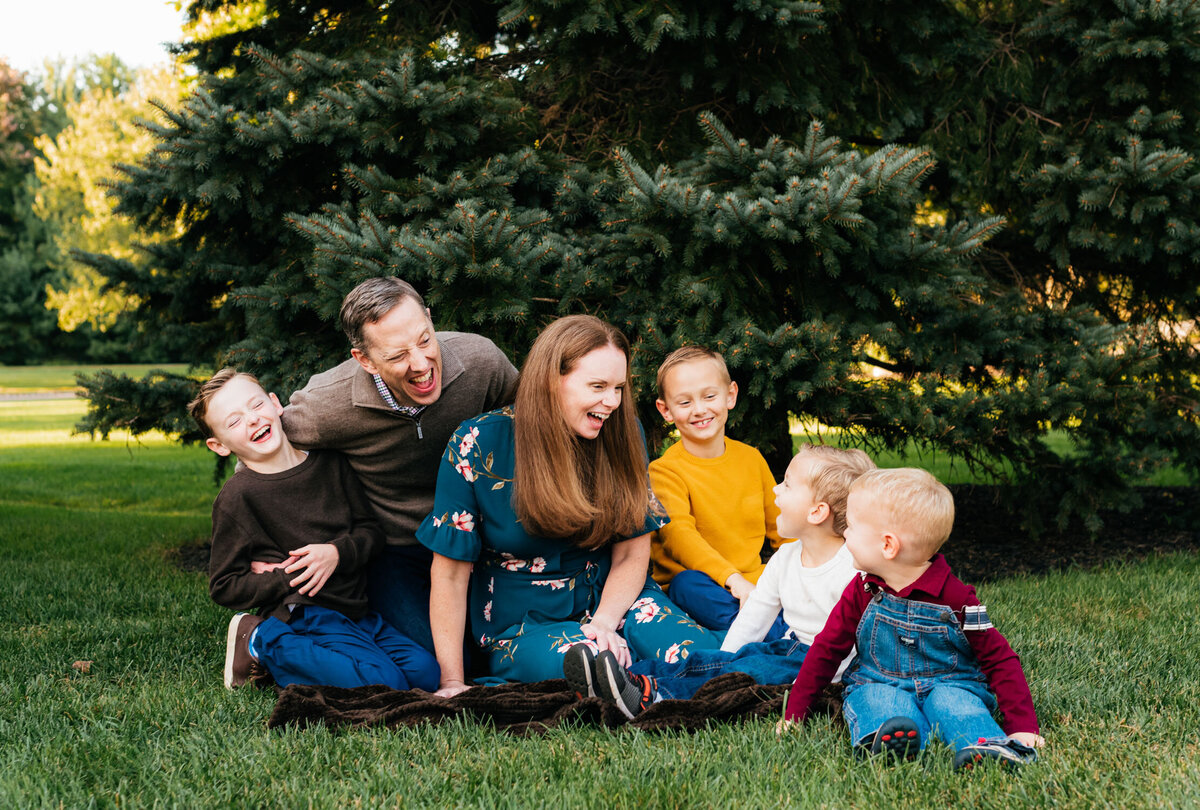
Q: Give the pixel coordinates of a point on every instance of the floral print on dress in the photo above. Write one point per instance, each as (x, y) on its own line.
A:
(468, 442)
(646, 609)
(672, 654)
(464, 469)
(531, 594)
(511, 563)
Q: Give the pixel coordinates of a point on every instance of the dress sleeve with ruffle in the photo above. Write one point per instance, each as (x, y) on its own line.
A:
(452, 528)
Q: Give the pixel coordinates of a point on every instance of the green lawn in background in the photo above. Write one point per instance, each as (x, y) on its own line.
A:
(86, 533)
(949, 470)
(23, 379)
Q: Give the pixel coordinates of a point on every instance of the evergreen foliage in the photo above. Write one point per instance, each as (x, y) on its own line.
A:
(965, 224)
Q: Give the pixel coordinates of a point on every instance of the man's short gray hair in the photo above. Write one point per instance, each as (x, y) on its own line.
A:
(370, 301)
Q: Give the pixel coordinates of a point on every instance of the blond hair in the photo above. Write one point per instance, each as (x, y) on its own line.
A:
(915, 505)
(688, 354)
(831, 472)
(198, 407)
(585, 491)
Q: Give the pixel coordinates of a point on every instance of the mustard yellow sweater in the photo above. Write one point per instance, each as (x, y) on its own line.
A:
(721, 509)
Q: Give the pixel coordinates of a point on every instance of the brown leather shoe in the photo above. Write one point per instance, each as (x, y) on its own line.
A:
(240, 665)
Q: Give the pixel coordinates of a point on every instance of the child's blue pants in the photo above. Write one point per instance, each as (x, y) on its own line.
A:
(324, 647)
(767, 662)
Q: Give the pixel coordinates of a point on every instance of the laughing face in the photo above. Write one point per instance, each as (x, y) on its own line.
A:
(402, 349)
(697, 397)
(591, 392)
(244, 420)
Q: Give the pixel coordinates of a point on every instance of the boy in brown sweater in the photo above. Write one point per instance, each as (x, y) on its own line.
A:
(292, 535)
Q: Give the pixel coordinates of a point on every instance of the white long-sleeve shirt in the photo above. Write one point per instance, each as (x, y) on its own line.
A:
(806, 596)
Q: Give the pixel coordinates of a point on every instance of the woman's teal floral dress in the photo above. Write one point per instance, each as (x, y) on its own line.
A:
(529, 594)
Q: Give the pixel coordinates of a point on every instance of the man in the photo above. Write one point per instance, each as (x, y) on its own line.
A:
(391, 408)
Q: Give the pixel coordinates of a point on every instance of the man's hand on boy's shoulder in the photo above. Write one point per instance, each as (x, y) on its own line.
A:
(318, 562)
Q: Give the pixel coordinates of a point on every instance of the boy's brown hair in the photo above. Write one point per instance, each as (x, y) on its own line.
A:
(198, 407)
(832, 471)
(919, 506)
(689, 354)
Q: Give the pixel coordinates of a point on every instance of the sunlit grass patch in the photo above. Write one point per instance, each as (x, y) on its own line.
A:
(23, 379)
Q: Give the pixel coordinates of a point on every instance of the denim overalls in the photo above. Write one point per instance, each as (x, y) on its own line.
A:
(915, 661)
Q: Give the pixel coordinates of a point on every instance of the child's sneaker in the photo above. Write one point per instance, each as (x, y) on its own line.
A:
(579, 669)
(897, 737)
(1010, 754)
(240, 665)
(632, 694)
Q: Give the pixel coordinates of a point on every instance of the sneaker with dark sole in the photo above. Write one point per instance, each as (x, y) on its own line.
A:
(897, 738)
(579, 669)
(240, 665)
(1010, 754)
(632, 694)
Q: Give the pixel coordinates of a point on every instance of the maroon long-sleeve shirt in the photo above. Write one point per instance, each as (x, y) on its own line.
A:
(1000, 665)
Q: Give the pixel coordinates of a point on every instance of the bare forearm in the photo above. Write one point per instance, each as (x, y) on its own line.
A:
(625, 580)
(448, 582)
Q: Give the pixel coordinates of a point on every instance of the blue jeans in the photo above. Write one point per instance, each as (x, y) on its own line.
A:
(323, 647)
(711, 605)
(767, 662)
(914, 660)
(398, 590)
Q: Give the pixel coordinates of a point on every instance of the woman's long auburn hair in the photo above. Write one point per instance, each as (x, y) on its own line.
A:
(583, 490)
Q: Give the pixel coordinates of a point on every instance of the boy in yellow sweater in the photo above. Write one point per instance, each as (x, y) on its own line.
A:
(718, 492)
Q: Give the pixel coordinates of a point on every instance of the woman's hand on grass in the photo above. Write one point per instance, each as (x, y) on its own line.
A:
(318, 560)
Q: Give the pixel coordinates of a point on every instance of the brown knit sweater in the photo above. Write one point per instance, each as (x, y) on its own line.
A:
(340, 409)
(260, 516)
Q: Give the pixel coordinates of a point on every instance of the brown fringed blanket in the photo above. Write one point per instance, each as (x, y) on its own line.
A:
(528, 708)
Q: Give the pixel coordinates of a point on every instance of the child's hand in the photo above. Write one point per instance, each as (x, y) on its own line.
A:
(260, 567)
(784, 726)
(1029, 738)
(318, 561)
(740, 587)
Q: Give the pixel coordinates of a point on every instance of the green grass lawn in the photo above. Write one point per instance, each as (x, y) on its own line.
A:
(950, 470)
(24, 379)
(85, 533)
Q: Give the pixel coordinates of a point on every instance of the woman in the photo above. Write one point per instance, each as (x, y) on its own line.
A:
(545, 510)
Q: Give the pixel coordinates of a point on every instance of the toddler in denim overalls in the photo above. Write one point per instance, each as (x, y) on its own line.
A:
(929, 661)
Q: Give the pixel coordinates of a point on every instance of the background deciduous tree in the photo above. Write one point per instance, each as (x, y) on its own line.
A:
(73, 177)
(966, 224)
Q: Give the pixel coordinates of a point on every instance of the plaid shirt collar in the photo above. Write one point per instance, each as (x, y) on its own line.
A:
(386, 393)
